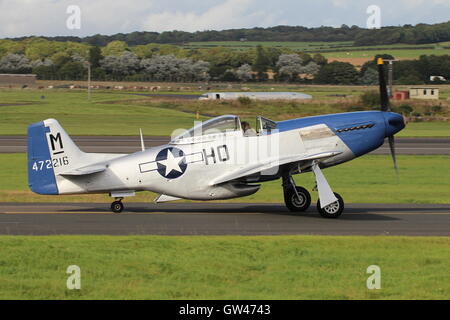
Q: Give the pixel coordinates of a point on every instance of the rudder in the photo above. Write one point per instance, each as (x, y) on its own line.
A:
(50, 152)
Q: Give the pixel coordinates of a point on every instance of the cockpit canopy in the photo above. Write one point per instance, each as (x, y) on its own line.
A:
(222, 124)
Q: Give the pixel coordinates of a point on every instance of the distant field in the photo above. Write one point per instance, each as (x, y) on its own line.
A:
(282, 267)
(408, 54)
(242, 45)
(307, 46)
(370, 179)
(343, 51)
(116, 113)
(101, 116)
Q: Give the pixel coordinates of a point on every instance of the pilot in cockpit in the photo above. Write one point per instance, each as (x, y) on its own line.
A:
(248, 131)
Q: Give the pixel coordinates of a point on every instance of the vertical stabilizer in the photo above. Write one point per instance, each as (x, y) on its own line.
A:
(50, 152)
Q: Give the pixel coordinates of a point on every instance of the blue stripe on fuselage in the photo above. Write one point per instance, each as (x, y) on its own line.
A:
(359, 141)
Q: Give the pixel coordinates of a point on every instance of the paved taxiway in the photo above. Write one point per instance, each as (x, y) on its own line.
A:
(130, 144)
(220, 219)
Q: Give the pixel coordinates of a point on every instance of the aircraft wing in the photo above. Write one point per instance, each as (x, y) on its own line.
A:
(271, 164)
(83, 171)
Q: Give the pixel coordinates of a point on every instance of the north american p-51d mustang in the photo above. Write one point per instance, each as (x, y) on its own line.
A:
(216, 159)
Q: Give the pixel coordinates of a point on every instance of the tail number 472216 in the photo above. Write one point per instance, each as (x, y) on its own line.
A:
(49, 164)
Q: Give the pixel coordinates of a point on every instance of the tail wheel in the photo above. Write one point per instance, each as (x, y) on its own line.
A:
(298, 201)
(117, 207)
(333, 210)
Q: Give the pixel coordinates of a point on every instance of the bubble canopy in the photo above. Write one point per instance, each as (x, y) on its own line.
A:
(222, 124)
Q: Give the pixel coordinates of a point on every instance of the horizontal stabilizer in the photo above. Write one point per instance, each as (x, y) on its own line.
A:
(84, 171)
(164, 198)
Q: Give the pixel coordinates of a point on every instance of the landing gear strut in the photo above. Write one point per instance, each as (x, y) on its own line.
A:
(117, 206)
(297, 199)
(330, 204)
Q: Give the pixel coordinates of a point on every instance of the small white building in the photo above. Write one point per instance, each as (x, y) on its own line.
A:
(255, 96)
(437, 78)
(424, 93)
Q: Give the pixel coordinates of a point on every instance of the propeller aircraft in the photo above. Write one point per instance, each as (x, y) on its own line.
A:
(216, 159)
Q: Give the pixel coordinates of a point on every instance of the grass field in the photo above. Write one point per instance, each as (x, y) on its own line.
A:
(370, 179)
(112, 113)
(426, 130)
(79, 116)
(286, 267)
(279, 111)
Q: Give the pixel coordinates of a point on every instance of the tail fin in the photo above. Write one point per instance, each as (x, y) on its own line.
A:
(50, 152)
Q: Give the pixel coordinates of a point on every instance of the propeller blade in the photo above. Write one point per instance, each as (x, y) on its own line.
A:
(384, 97)
(392, 146)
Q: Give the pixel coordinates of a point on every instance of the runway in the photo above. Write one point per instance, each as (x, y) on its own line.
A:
(130, 144)
(220, 219)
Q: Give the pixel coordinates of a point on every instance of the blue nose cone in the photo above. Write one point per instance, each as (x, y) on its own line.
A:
(394, 123)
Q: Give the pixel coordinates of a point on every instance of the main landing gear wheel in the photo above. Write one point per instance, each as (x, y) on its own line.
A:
(297, 200)
(333, 210)
(117, 207)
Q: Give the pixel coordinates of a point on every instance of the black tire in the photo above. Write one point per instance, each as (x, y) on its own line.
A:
(117, 207)
(334, 210)
(293, 203)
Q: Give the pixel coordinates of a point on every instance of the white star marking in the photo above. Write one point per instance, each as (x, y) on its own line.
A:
(171, 163)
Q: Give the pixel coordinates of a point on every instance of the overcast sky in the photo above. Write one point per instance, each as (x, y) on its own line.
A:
(49, 17)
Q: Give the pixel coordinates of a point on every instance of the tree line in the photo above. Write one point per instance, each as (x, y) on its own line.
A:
(408, 34)
(117, 61)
